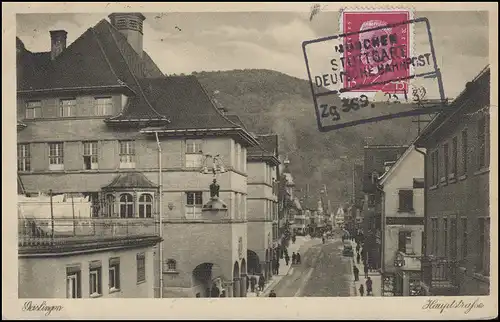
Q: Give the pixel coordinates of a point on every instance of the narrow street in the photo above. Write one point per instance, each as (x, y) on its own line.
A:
(323, 272)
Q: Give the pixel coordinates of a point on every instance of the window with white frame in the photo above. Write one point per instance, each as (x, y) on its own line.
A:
(67, 107)
(90, 155)
(56, 156)
(73, 282)
(194, 153)
(33, 109)
(95, 279)
(194, 203)
(127, 154)
(141, 267)
(126, 206)
(110, 205)
(23, 157)
(114, 274)
(145, 206)
(103, 106)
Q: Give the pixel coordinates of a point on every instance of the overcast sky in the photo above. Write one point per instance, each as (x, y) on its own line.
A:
(270, 40)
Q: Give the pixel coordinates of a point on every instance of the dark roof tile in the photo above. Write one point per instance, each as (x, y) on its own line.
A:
(184, 101)
(268, 144)
(130, 180)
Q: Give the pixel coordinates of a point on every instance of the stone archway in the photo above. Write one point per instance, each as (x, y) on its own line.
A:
(207, 280)
(236, 280)
(253, 266)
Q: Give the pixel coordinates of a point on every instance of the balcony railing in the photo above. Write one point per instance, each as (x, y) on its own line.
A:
(439, 272)
(62, 231)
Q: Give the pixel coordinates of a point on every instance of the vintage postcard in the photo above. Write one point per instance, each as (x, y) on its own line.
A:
(250, 160)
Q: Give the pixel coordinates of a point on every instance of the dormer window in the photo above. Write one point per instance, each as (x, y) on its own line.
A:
(33, 109)
(67, 107)
(103, 106)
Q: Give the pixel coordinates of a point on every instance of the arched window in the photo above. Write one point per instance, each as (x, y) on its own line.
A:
(110, 205)
(145, 206)
(126, 206)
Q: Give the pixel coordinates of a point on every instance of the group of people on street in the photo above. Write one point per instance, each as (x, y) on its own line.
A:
(361, 255)
(256, 285)
(295, 258)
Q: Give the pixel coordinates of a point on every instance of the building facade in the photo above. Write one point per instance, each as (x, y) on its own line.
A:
(100, 109)
(262, 203)
(402, 187)
(457, 217)
(78, 256)
(375, 157)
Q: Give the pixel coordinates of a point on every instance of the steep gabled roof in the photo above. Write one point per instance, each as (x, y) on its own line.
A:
(480, 84)
(268, 144)
(100, 58)
(391, 170)
(183, 100)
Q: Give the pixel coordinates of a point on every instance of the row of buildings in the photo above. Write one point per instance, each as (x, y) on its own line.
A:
(184, 200)
(426, 206)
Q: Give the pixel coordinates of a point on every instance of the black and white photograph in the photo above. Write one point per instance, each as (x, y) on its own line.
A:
(312, 150)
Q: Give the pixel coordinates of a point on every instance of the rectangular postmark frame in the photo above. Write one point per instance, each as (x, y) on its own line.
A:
(332, 112)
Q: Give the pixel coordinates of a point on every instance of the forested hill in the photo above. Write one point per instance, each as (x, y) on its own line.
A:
(268, 101)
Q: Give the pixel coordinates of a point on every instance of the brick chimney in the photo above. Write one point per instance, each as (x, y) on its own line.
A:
(57, 42)
(130, 25)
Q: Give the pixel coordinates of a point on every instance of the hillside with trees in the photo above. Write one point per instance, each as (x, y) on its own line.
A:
(268, 101)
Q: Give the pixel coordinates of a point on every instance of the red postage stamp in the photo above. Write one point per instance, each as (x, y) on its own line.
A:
(375, 53)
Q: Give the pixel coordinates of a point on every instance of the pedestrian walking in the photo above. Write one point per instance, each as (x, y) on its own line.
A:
(366, 270)
(277, 267)
(261, 282)
(253, 283)
(369, 287)
(358, 258)
(272, 294)
(298, 258)
(294, 258)
(287, 259)
(356, 273)
(361, 290)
